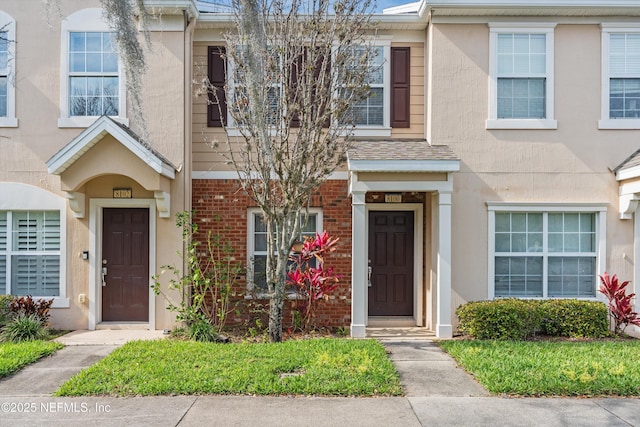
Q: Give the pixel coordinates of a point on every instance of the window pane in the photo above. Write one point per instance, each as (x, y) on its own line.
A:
(4, 54)
(521, 98)
(77, 42)
(503, 242)
(94, 42)
(35, 275)
(518, 276)
(3, 97)
(624, 98)
(572, 276)
(260, 273)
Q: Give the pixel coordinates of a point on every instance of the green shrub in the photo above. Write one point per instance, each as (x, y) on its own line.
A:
(574, 318)
(517, 319)
(24, 327)
(5, 311)
(203, 331)
(503, 319)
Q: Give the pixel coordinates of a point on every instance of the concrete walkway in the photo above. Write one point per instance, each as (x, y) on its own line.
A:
(437, 394)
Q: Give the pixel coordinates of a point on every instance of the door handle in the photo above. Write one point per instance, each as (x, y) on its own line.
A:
(370, 270)
(104, 272)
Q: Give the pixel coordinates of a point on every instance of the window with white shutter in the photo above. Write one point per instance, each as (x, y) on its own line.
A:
(30, 253)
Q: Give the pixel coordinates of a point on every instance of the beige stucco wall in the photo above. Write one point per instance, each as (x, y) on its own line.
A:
(567, 165)
(25, 149)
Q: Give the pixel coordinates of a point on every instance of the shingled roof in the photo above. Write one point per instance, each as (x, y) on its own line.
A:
(400, 149)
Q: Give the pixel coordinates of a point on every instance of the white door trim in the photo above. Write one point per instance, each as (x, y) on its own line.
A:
(418, 245)
(95, 253)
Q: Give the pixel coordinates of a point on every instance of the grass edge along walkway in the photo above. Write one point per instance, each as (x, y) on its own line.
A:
(321, 367)
(543, 368)
(15, 356)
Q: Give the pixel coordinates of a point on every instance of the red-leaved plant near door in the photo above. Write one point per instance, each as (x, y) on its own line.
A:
(620, 305)
(312, 280)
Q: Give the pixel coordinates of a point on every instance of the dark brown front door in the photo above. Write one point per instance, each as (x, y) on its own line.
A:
(391, 262)
(125, 255)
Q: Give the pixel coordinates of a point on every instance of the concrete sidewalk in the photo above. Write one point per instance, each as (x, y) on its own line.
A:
(438, 393)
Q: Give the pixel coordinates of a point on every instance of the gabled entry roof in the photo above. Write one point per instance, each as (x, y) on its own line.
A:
(630, 168)
(401, 155)
(71, 152)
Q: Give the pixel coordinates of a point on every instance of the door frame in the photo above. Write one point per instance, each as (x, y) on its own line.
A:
(418, 251)
(96, 207)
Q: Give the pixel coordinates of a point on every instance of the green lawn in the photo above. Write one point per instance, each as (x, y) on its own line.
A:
(16, 356)
(586, 368)
(332, 367)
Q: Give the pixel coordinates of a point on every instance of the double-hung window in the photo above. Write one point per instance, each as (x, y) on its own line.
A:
(371, 115)
(620, 77)
(545, 252)
(370, 110)
(521, 77)
(93, 74)
(30, 253)
(7, 71)
(257, 245)
(92, 82)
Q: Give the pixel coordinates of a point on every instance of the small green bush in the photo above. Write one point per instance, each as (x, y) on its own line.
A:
(503, 319)
(574, 318)
(24, 327)
(5, 311)
(517, 319)
(203, 331)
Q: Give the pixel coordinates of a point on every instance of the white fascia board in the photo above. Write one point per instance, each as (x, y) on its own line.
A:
(532, 3)
(168, 6)
(94, 133)
(402, 21)
(628, 173)
(404, 165)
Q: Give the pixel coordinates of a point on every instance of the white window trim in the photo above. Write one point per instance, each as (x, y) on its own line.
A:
(251, 212)
(90, 20)
(493, 122)
(8, 25)
(605, 121)
(361, 130)
(22, 197)
(600, 209)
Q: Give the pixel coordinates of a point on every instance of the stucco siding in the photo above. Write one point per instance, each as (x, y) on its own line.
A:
(569, 164)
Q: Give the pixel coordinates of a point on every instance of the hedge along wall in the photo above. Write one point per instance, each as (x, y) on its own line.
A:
(226, 200)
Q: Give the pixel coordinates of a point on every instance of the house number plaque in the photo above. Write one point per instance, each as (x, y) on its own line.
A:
(121, 193)
(393, 198)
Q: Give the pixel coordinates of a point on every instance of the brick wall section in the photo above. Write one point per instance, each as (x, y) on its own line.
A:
(221, 206)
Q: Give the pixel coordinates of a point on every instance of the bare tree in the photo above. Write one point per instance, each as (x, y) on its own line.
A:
(297, 70)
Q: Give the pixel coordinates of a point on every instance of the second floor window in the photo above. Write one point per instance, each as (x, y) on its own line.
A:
(521, 76)
(624, 75)
(4, 72)
(370, 111)
(93, 74)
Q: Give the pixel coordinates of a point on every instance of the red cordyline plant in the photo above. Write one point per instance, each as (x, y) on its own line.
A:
(620, 306)
(312, 281)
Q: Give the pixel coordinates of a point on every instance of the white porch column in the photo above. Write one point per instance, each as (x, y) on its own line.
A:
(443, 315)
(358, 265)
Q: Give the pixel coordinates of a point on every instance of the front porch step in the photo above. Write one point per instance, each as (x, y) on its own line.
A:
(391, 322)
(121, 326)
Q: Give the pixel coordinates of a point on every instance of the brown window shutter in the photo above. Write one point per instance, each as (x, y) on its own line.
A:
(296, 67)
(216, 116)
(400, 76)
